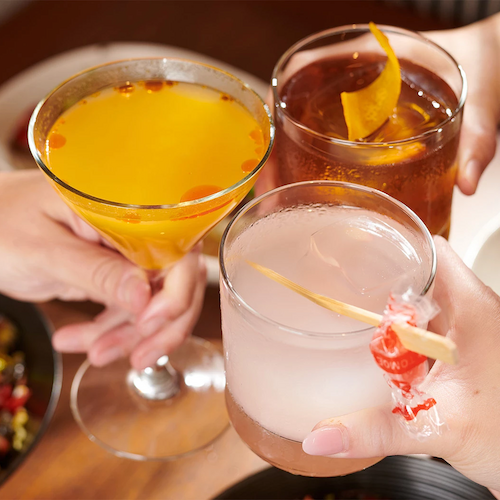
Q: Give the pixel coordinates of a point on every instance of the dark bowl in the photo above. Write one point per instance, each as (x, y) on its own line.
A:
(44, 369)
(394, 478)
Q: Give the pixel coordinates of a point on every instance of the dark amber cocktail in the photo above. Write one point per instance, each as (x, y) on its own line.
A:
(412, 157)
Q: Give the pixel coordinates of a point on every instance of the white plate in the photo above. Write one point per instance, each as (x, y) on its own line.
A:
(20, 94)
(483, 254)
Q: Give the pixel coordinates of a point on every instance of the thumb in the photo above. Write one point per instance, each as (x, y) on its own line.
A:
(103, 274)
(475, 46)
(477, 143)
(373, 432)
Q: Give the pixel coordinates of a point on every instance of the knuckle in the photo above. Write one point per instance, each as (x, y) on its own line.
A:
(106, 275)
(465, 442)
(382, 437)
(490, 145)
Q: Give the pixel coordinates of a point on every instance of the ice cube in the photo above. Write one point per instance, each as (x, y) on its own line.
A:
(368, 252)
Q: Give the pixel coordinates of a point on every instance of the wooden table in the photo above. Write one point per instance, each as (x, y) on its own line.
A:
(248, 34)
(66, 465)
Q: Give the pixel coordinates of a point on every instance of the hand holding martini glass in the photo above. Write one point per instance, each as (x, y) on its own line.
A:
(152, 153)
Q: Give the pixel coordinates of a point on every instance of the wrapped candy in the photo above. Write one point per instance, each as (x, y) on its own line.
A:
(405, 370)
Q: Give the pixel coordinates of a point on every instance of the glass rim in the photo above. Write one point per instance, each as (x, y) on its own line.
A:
(352, 28)
(356, 187)
(184, 204)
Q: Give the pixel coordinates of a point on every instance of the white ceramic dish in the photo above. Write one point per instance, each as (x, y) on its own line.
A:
(20, 94)
(483, 254)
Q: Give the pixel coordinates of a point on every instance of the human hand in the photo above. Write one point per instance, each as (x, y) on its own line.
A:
(467, 393)
(477, 48)
(47, 252)
(159, 329)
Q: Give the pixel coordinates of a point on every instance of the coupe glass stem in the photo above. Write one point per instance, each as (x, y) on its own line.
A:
(161, 381)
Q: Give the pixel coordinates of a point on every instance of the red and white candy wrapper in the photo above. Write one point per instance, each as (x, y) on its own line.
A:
(405, 370)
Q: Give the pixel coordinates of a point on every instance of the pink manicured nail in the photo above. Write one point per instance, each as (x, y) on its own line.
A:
(68, 343)
(325, 441)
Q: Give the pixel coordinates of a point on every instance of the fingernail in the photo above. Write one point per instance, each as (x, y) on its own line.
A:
(151, 326)
(471, 174)
(67, 343)
(132, 291)
(325, 441)
(108, 355)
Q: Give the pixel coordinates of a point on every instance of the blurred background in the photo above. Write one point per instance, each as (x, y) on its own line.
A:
(248, 34)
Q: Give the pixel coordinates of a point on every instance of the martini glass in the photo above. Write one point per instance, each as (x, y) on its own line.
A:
(176, 407)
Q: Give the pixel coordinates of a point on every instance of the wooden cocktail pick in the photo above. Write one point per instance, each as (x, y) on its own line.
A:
(414, 339)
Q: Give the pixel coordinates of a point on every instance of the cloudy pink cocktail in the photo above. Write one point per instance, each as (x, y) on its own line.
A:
(290, 363)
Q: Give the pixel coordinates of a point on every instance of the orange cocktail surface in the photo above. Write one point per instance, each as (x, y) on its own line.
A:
(155, 143)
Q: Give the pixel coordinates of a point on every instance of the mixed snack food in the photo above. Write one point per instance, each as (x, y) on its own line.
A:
(14, 393)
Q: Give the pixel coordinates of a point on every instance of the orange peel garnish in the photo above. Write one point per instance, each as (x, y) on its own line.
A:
(367, 109)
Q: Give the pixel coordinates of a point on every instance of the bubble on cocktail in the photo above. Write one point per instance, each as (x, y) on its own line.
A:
(289, 362)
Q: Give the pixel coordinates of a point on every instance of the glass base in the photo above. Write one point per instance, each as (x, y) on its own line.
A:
(115, 417)
(287, 454)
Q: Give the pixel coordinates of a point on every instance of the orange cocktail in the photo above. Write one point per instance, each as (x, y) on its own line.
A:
(155, 142)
